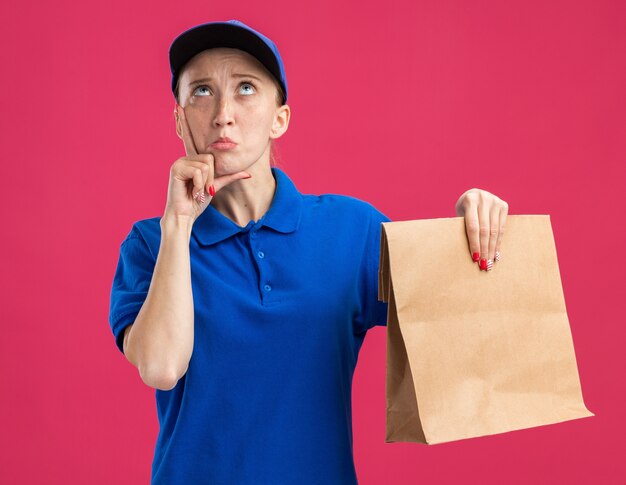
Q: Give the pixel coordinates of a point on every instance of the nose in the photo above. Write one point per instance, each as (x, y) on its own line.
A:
(224, 115)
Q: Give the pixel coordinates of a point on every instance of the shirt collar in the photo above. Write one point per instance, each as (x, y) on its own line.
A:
(283, 215)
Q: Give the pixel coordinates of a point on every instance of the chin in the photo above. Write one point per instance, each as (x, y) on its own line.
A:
(224, 167)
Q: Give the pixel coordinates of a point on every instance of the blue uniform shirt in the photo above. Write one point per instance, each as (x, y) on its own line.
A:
(281, 308)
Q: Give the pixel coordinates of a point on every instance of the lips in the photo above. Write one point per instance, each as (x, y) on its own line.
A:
(223, 139)
(223, 143)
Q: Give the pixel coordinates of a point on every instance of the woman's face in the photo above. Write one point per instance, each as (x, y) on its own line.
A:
(229, 93)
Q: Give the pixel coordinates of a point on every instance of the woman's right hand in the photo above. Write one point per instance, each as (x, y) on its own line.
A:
(191, 176)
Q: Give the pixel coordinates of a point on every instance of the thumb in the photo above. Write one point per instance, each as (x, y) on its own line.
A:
(223, 181)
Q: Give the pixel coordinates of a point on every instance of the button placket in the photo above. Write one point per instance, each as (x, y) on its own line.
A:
(266, 287)
(264, 283)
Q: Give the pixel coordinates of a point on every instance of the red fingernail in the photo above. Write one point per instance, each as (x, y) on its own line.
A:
(483, 264)
(211, 190)
(475, 256)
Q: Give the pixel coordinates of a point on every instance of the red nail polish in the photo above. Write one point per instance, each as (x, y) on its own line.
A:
(475, 256)
(483, 264)
(211, 190)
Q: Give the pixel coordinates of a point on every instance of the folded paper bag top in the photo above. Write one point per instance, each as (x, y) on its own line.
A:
(473, 353)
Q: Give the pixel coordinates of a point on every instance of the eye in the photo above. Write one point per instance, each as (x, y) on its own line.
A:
(195, 91)
(247, 83)
(203, 90)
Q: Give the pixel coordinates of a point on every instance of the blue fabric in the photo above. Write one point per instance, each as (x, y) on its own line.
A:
(281, 307)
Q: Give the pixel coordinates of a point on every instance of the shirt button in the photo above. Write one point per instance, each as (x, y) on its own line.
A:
(252, 233)
(267, 288)
(261, 254)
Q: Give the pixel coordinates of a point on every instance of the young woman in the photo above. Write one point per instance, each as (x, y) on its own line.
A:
(246, 303)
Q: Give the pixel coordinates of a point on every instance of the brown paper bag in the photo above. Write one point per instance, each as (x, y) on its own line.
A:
(469, 352)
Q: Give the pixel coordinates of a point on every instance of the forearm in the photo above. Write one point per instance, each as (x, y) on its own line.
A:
(160, 341)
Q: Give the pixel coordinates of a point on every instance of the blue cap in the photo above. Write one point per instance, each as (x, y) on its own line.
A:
(232, 33)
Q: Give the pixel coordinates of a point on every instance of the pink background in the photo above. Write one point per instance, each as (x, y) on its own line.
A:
(405, 104)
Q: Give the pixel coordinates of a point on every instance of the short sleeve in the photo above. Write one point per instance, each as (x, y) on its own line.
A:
(374, 312)
(130, 283)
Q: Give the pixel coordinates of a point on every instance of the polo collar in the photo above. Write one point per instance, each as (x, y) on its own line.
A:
(283, 215)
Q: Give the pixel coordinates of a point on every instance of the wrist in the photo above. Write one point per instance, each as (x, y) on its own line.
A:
(173, 224)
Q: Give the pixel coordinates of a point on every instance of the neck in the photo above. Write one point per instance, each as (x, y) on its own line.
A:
(247, 199)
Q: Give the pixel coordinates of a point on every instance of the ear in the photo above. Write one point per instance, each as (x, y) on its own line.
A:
(179, 128)
(281, 121)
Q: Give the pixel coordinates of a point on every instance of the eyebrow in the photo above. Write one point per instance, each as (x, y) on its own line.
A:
(207, 79)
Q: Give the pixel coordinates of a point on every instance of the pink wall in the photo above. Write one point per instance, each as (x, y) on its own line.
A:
(405, 104)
